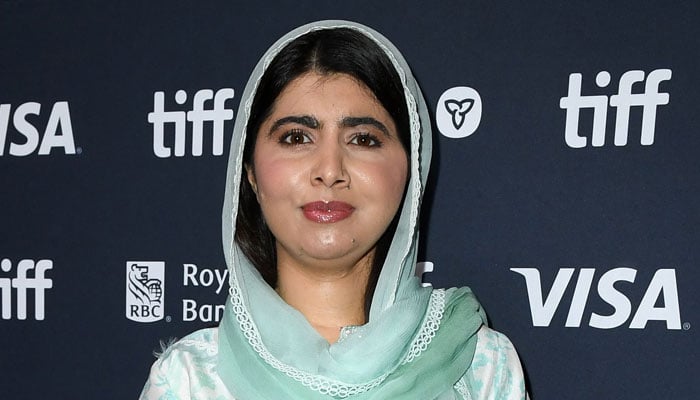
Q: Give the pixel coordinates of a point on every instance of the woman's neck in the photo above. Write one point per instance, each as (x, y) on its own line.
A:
(329, 298)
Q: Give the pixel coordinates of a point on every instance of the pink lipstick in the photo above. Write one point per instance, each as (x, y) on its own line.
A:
(327, 213)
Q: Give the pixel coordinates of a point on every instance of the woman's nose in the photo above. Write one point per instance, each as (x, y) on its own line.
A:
(329, 167)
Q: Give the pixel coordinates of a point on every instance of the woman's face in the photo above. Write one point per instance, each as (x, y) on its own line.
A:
(329, 171)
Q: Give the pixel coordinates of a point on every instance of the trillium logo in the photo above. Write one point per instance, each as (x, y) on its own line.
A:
(458, 112)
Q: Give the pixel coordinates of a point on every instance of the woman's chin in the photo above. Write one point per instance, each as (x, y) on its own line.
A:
(337, 251)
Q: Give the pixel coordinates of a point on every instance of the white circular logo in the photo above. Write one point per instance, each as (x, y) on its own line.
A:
(458, 112)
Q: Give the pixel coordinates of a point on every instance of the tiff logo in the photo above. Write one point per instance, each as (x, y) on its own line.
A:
(145, 290)
(22, 283)
(623, 101)
(197, 116)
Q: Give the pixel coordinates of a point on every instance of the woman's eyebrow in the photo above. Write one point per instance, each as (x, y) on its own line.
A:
(305, 120)
(350, 122)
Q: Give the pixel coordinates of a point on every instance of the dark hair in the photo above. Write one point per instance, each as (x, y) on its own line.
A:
(326, 51)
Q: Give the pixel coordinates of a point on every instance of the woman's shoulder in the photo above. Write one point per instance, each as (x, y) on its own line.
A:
(200, 345)
(186, 369)
(494, 345)
(495, 371)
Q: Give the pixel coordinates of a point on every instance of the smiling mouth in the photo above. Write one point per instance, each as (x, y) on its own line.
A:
(326, 213)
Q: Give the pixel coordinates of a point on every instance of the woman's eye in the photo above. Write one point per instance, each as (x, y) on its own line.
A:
(294, 137)
(366, 140)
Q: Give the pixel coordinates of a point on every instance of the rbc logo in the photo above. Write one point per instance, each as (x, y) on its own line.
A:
(622, 102)
(23, 283)
(59, 119)
(145, 290)
(458, 112)
(198, 116)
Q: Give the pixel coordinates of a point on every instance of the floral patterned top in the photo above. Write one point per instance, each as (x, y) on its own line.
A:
(187, 370)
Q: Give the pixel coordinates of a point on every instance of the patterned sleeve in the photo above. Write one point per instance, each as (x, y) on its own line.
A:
(495, 373)
(168, 379)
(187, 371)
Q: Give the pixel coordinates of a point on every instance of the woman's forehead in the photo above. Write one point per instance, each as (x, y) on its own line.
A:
(317, 95)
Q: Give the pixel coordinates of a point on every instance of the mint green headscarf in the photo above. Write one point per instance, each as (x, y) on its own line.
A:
(418, 342)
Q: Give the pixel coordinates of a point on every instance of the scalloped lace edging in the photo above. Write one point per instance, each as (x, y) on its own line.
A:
(328, 386)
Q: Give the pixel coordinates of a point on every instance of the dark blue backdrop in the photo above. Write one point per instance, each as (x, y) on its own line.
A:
(607, 235)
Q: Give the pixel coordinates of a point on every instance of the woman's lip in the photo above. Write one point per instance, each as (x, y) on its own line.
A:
(322, 212)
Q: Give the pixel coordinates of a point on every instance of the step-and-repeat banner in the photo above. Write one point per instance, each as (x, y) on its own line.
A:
(564, 190)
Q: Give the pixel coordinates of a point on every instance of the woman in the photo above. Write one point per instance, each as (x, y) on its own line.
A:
(329, 156)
